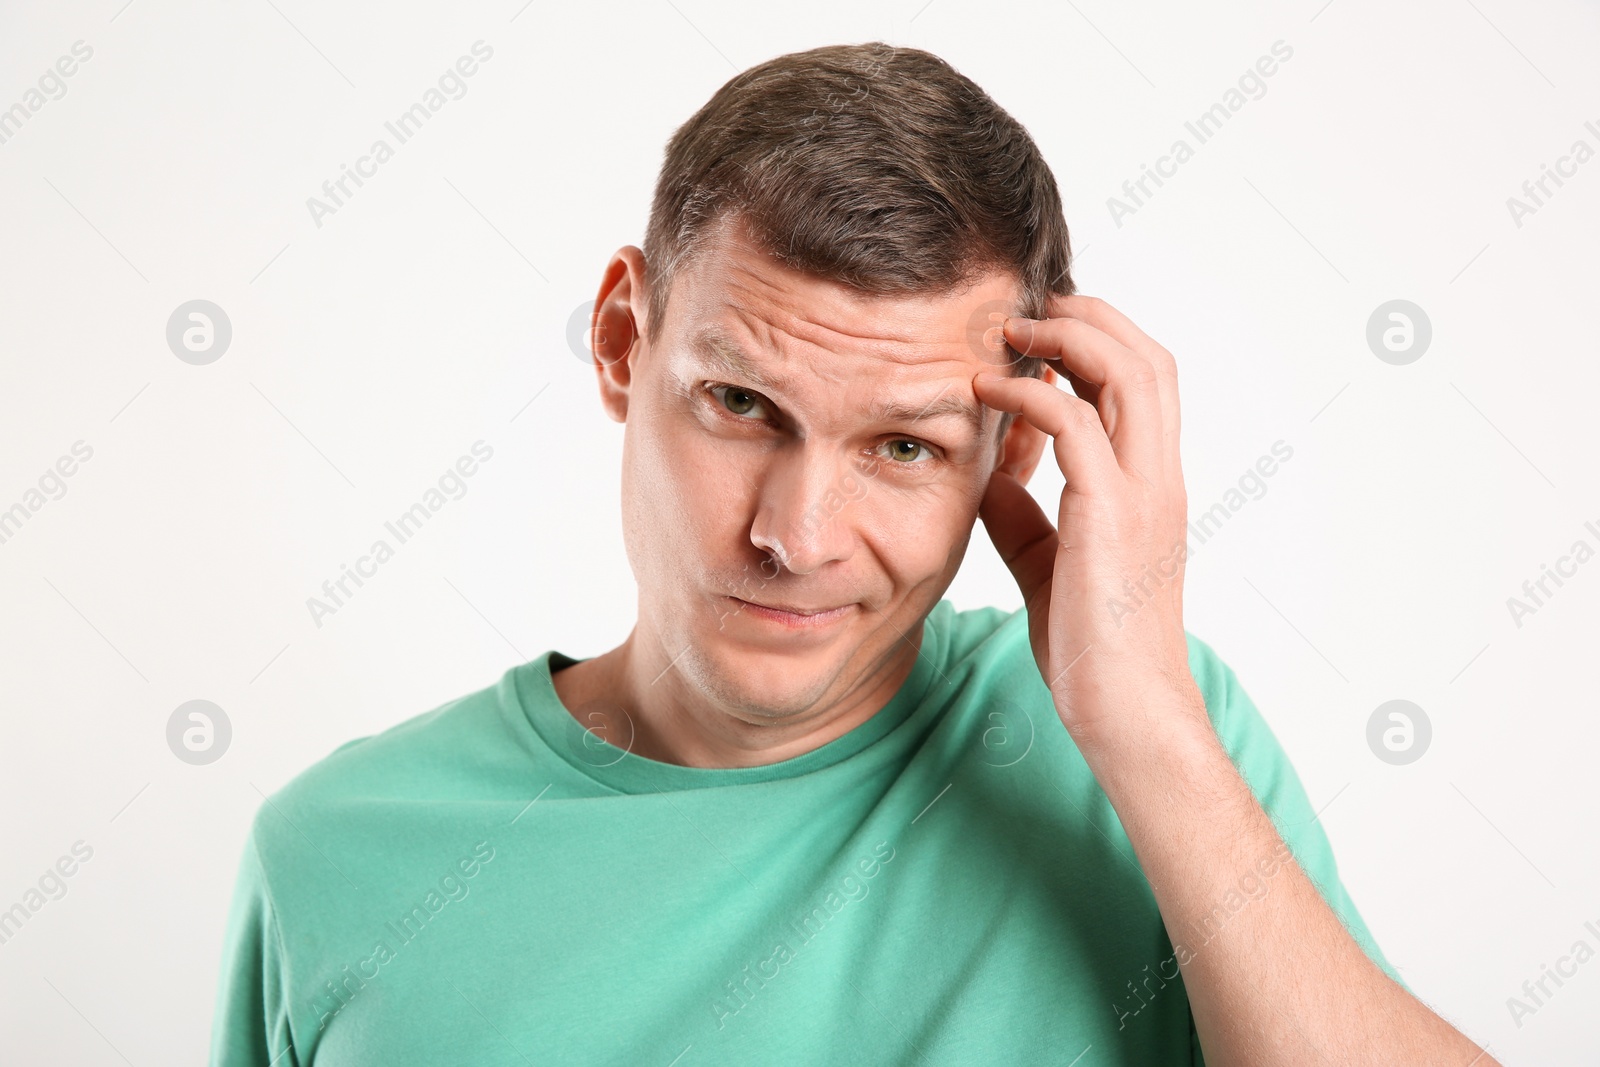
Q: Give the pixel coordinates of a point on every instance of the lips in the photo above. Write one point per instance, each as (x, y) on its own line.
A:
(791, 609)
(794, 616)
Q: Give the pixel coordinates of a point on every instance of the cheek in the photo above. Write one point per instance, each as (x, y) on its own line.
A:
(915, 531)
(680, 491)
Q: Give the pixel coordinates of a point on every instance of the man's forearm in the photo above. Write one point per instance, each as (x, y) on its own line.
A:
(1278, 980)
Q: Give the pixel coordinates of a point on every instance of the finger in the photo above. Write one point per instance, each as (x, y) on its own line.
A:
(1107, 319)
(1129, 398)
(1081, 447)
(1021, 532)
(1088, 390)
(1104, 317)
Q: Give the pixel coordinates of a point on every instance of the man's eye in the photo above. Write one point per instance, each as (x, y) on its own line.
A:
(918, 455)
(739, 401)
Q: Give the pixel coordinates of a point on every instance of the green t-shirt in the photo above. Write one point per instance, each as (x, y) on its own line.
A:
(946, 884)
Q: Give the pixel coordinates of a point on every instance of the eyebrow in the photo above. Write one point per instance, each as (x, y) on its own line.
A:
(726, 356)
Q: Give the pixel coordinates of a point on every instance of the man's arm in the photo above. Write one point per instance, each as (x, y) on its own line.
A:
(1282, 982)
(250, 1020)
(1265, 766)
(1279, 979)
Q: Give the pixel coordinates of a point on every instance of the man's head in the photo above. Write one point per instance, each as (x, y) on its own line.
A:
(834, 239)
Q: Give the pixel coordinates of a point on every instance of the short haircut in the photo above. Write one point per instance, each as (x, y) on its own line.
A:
(871, 165)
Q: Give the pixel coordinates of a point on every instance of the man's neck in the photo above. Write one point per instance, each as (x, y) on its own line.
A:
(643, 703)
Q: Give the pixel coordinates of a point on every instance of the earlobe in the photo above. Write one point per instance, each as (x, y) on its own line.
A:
(615, 332)
(1024, 445)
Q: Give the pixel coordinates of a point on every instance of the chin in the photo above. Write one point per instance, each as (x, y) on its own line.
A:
(771, 682)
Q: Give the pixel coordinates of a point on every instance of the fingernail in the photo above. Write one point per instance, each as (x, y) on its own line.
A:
(1015, 321)
(989, 376)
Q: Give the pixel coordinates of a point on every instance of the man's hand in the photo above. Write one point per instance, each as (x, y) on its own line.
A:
(1105, 596)
(1283, 982)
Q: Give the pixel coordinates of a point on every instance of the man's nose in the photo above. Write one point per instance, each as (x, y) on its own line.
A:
(804, 507)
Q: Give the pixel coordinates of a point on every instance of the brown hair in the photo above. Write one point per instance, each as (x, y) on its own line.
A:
(872, 165)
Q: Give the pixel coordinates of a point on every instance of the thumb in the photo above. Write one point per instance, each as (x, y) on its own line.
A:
(1021, 532)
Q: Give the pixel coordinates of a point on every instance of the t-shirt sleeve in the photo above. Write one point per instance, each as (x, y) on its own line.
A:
(1276, 784)
(1265, 766)
(250, 1024)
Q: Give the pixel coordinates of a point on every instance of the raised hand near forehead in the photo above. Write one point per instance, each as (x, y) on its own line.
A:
(1103, 585)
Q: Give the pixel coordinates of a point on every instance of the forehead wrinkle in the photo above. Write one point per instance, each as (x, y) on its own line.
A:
(718, 347)
(775, 315)
(724, 353)
(752, 290)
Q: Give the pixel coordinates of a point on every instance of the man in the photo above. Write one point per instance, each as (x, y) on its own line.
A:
(807, 812)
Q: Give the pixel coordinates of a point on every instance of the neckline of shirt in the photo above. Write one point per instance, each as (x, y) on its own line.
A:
(533, 693)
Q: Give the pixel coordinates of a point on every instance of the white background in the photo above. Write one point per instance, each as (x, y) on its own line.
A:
(372, 351)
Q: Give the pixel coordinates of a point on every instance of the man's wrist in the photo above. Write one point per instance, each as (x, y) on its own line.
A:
(1162, 717)
(1162, 749)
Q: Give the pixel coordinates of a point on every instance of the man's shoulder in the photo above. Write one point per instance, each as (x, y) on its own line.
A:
(1244, 731)
(1214, 677)
(979, 632)
(433, 754)
(998, 638)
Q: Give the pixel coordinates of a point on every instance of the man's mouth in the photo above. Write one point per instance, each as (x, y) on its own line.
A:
(796, 615)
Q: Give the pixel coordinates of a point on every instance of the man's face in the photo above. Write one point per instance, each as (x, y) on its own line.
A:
(793, 444)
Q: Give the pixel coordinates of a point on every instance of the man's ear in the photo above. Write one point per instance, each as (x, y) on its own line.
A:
(618, 326)
(1024, 443)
